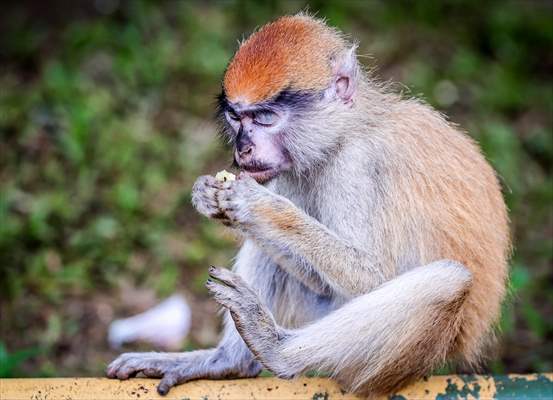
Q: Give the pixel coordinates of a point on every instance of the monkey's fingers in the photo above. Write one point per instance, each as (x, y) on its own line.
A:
(205, 194)
(244, 176)
(226, 296)
(227, 277)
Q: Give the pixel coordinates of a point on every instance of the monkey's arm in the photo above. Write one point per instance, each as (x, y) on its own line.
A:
(347, 269)
(274, 222)
(206, 196)
(295, 265)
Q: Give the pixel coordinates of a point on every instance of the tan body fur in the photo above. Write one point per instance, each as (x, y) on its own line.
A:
(381, 254)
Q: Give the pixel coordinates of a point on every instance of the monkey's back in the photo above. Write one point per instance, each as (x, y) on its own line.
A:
(451, 206)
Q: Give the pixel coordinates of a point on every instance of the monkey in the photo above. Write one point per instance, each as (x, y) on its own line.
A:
(375, 235)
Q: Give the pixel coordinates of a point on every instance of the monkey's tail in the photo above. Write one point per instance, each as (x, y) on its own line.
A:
(381, 341)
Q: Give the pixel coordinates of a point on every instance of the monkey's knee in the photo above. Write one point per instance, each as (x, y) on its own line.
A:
(451, 275)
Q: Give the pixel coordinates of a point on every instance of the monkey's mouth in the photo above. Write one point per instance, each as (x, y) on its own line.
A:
(261, 173)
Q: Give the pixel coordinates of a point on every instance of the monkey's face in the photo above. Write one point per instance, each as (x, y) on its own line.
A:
(256, 133)
(288, 95)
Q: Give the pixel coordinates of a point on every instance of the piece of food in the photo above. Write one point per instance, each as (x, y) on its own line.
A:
(224, 176)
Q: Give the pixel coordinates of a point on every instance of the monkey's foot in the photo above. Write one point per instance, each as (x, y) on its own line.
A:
(253, 320)
(177, 368)
(170, 367)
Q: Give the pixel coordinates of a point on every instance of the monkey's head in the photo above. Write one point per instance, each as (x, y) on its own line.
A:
(287, 94)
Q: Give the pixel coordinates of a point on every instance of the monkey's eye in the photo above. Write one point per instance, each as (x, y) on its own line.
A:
(232, 115)
(265, 118)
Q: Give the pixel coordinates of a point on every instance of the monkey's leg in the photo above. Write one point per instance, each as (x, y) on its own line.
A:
(375, 343)
(231, 358)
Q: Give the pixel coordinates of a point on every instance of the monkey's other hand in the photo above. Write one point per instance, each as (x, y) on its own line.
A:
(205, 197)
(172, 370)
(252, 318)
(231, 201)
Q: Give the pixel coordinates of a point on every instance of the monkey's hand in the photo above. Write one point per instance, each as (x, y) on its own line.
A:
(232, 202)
(252, 318)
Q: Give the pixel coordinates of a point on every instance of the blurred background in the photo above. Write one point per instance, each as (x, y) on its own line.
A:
(106, 120)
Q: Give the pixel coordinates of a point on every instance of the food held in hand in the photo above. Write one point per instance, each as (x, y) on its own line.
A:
(224, 176)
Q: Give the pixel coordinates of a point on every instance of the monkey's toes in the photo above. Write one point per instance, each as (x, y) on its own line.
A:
(122, 368)
(170, 379)
(129, 365)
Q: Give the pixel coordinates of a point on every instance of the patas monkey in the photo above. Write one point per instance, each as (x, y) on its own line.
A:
(375, 233)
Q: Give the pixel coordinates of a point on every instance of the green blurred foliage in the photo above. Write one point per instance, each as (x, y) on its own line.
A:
(10, 362)
(105, 122)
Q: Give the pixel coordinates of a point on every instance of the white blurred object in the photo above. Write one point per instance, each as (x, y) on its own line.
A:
(165, 325)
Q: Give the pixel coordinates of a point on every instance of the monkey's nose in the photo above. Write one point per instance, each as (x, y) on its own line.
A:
(245, 151)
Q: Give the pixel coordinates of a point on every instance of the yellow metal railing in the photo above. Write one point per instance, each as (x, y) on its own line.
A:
(535, 386)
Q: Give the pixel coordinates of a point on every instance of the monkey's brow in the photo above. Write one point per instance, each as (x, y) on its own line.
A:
(297, 100)
(293, 99)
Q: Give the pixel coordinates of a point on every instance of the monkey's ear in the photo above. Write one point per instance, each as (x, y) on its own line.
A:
(346, 75)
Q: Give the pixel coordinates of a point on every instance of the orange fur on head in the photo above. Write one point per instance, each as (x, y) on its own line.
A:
(294, 52)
